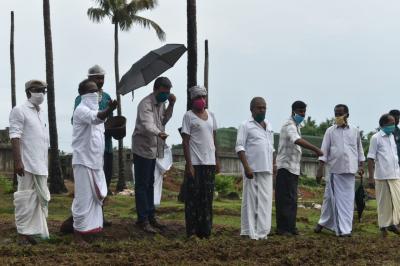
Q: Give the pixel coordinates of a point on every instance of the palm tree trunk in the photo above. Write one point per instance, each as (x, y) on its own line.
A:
(12, 62)
(206, 65)
(55, 176)
(12, 65)
(121, 176)
(192, 47)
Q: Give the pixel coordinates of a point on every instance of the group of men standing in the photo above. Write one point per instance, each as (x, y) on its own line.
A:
(341, 157)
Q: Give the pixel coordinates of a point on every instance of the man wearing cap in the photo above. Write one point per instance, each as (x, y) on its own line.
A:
(87, 163)
(30, 142)
(148, 140)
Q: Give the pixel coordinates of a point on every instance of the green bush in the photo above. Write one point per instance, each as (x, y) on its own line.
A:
(6, 185)
(308, 181)
(224, 184)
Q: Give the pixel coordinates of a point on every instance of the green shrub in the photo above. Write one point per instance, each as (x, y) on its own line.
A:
(224, 184)
(308, 181)
(6, 185)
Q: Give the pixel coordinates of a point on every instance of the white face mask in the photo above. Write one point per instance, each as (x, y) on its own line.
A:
(91, 100)
(36, 98)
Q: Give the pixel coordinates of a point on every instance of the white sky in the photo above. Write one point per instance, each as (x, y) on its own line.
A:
(322, 52)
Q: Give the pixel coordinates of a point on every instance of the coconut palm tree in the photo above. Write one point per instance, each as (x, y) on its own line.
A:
(191, 47)
(12, 62)
(55, 175)
(123, 14)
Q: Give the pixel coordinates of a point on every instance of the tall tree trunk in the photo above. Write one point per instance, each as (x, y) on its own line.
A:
(12, 65)
(192, 47)
(12, 62)
(206, 64)
(55, 176)
(121, 175)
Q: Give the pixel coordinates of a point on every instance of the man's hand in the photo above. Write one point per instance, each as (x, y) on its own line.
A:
(248, 172)
(189, 170)
(318, 152)
(19, 168)
(217, 167)
(112, 104)
(163, 135)
(320, 173)
(172, 99)
(361, 170)
(371, 182)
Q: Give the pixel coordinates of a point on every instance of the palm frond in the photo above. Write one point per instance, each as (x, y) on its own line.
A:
(138, 5)
(97, 14)
(147, 23)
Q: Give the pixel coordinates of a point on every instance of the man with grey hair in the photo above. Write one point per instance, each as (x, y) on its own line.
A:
(199, 147)
(255, 148)
(30, 143)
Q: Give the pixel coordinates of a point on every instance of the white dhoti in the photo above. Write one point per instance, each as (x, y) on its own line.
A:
(90, 191)
(388, 202)
(31, 205)
(257, 206)
(162, 166)
(338, 205)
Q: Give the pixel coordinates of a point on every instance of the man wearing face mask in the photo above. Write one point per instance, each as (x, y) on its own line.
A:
(343, 158)
(255, 148)
(148, 140)
(96, 73)
(383, 167)
(288, 164)
(199, 147)
(30, 142)
(88, 148)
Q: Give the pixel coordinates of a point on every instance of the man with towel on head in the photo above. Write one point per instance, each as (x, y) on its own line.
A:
(87, 161)
(30, 142)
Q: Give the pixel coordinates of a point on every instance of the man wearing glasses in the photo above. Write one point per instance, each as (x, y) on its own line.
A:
(30, 142)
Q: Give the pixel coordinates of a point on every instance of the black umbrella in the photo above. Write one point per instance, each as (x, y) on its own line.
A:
(150, 67)
(360, 198)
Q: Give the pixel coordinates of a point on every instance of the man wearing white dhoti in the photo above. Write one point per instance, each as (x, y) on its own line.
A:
(255, 148)
(383, 167)
(343, 158)
(87, 161)
(29, 138)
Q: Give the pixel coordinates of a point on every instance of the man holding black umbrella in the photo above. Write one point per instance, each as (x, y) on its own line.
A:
(148, 141)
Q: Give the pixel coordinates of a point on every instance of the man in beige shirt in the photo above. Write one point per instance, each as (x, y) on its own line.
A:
(148, 142)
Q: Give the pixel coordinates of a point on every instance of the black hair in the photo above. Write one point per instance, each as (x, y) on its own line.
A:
(395, 113)
(384, 119)
(162, 82)
(255, 100)
(298, 105)
(84, 85)
(345, 107)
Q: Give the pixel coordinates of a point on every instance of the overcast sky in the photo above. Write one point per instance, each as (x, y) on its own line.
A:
(322, 52)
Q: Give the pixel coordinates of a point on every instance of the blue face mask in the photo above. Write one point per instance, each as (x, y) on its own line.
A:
(388, 129)
(298, 118)
(162, 97)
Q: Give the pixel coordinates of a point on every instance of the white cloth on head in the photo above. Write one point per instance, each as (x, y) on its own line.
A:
(338, 205)
(257, 143)
(383, 149)
(342, 149)
(29, 125)
(388, 202)
(289, 153)
(201, 132)
(256, 209)
(88, 135)
(197, 91)
(162, 165)
(90, 190)
(31, 205)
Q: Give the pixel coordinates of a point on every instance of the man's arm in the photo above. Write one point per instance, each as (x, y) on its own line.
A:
(16, 149)
(241, 152)
(106, 112)
(307, 145)
(371, 169)
(217, 163)
(189, 170)
(169, 110)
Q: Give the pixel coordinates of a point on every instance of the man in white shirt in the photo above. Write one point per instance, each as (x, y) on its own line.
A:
(288, 164)
(255, 148)
(87, 161)
(30, 142)
(343, 158)
(383, 166)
